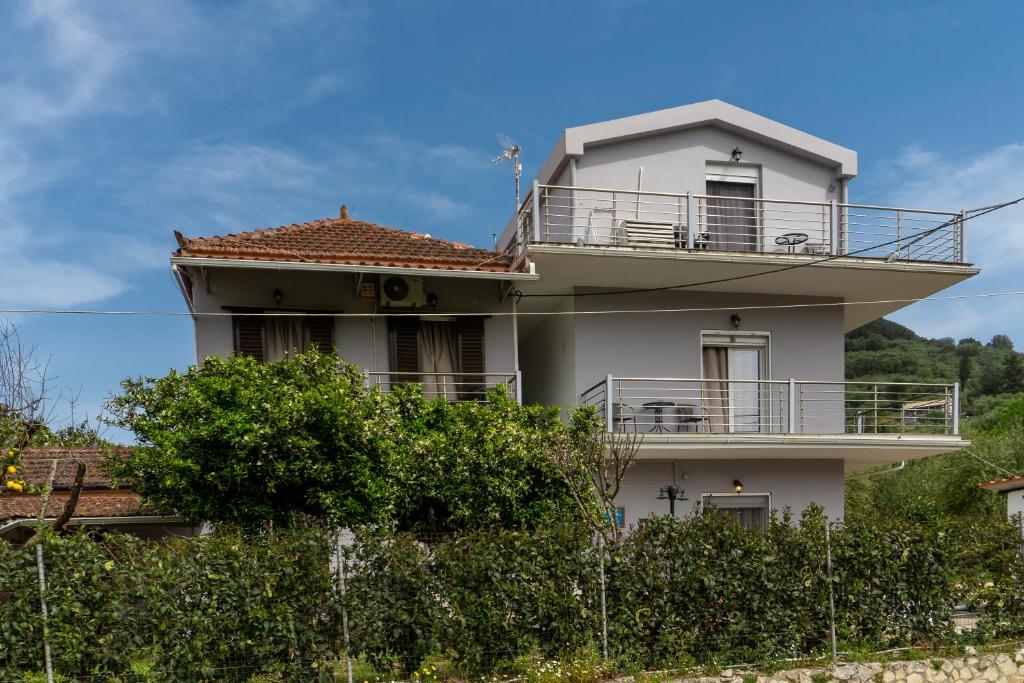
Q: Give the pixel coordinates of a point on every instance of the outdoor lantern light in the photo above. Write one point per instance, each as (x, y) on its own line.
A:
(671, 493)
(432, 300)
(736, 154)
(737, 486)
(736, 320)
(278, 296)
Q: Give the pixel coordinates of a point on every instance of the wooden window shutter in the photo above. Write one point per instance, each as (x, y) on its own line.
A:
(249, 336)
(320, 333)
(471, 354)
(405, 349)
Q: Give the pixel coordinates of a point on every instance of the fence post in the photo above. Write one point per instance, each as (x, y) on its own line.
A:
(831, 596)
(340, 555)
(956, 409)
(41, 570)
(604, 598)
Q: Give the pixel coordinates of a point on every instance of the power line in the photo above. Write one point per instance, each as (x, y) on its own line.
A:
(975, 213)
(422, 314)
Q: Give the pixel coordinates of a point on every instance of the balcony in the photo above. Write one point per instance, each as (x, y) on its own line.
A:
(863, 422)
(595, 217)
(456, 387)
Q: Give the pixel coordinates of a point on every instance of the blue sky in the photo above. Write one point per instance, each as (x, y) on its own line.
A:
(121, 121)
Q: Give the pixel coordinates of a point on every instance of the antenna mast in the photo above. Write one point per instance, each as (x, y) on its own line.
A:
(510, 151)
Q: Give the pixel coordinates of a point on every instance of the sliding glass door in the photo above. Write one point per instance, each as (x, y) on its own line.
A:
(733, 397)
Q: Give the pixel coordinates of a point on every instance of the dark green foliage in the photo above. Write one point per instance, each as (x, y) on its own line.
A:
(484, 598)
(246, 442)
(189, 608)
(679, 592)
(886, 351)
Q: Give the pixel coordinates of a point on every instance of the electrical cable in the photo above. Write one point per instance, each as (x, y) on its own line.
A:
(425, 314)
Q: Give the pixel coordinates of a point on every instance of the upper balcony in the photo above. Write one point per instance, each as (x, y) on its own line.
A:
(588, 217)
(881, 257)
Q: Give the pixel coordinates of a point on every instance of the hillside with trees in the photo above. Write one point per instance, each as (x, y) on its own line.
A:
(992, 402)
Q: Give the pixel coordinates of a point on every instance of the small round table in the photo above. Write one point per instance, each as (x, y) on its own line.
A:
(658, 408)
(791, 240)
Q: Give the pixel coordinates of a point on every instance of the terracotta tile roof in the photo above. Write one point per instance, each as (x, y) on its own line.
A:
(97, 498)
(348, 241)
(1003, 485)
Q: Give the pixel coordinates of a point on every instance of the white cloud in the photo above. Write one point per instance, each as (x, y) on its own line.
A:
(925, 178)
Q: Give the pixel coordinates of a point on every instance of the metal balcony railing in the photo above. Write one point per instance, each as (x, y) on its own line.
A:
(586, 216)
(671, 405)
(465, 386)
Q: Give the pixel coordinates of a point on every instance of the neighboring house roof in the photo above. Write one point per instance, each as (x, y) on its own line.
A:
(97, 499)
(348, 241)
(573, 141)
(1004, 485)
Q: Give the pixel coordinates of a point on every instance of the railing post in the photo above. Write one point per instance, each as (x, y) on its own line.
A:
(956, 409)
(536, 210)
(609, 412)
(519, 386)
(959, 238)
(691, 220)
(791, 417)
(833, 219)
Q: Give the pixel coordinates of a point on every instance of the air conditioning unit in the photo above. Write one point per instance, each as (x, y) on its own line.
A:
(398, 291)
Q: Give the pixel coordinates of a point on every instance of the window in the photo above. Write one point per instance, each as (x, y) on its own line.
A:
(731, 214)
(274, 338)
(749, 509)
(733, 395)
(446, 356)
(619, 518)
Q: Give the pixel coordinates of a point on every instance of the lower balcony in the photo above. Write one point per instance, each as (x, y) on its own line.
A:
(862, 422)
(455, 387)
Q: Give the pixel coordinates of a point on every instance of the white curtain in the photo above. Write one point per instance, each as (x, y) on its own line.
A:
(283, 336)
(439, 359)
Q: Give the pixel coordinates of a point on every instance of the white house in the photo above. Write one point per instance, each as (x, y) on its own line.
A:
(1013, 489)
(733, 235)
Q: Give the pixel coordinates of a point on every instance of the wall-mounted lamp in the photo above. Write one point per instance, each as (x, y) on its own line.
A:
(736, 320)
(736, 154)
(432, 300)
(832, 187)
(278, 296)
(737, 486)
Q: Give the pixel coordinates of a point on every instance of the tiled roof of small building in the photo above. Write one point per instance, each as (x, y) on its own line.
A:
(1003, 485)
(348, 241)
(98, 499)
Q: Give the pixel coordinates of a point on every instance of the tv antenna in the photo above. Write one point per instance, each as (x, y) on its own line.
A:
(510, 152)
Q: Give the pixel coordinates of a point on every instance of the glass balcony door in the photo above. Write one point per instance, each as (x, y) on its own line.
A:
(733, 397)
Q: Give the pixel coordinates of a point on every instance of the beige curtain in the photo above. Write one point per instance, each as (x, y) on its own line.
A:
(439, 359)
(283, 336)
(715, 388)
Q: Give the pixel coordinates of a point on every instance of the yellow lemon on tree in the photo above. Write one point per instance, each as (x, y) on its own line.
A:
(17, 487)
(11, 484)
(11, 469)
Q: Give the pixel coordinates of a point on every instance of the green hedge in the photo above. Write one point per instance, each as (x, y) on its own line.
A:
(702, 590)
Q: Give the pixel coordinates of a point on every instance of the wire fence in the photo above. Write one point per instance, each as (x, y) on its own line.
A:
(671, 595)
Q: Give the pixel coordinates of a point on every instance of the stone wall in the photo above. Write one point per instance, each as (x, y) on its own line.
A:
(994, 668)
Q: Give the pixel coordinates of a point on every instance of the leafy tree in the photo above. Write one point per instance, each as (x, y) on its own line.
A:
(242, 441)
(1013, 373)
(1001, 341)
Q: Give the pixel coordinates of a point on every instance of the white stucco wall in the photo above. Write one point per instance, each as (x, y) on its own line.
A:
(806, 343)
(362, 341)
(791, 483)
(1015, 503)
(676, 162)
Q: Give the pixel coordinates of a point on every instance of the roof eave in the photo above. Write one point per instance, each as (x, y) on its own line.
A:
(573, 141)
(211, 262)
